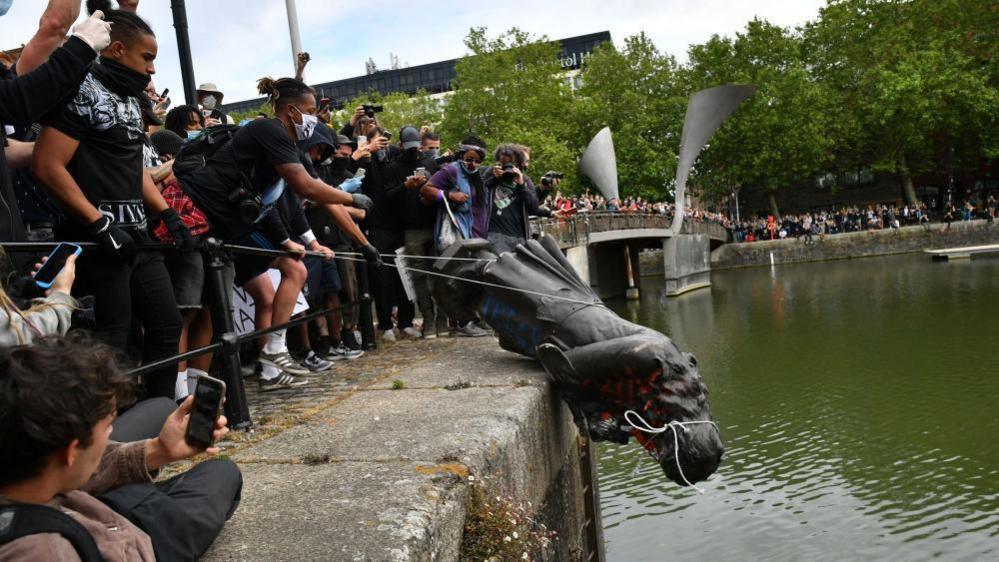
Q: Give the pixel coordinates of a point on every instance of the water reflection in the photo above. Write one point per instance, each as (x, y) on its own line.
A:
(858, 402)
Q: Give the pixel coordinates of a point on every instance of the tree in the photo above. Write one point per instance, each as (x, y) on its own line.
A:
(916, 77)
(784, 133)
(512, 89)
(637, 92)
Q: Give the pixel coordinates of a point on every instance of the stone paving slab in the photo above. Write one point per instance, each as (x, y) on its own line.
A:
(411, 424)
(343, 511)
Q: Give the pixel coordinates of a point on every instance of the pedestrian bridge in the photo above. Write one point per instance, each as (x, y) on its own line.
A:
(604, 248)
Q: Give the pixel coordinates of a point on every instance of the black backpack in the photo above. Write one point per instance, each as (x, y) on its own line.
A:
(195, 153)
(21, 520)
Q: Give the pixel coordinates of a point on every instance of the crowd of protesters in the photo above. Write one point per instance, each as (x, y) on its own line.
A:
(819, 224)
(94, 153)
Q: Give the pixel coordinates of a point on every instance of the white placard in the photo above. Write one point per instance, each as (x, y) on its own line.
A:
(402, 266)
(243, 310)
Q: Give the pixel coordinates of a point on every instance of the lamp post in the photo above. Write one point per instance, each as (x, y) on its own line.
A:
(296, 41)
(184, 50)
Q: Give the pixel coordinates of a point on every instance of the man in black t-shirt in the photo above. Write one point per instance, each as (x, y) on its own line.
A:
(89, 155)
(514, 199)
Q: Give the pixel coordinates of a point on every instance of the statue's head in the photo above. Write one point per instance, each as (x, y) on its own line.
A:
(683, 397)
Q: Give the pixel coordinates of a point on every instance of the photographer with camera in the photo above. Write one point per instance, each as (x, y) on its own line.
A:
(408, 174)
(460, 187)
(513, 197)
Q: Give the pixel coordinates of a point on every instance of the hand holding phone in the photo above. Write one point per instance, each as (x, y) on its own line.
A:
(208, 395)
(57, 271)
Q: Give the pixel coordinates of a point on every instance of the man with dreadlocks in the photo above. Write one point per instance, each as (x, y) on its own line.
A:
(89, 156)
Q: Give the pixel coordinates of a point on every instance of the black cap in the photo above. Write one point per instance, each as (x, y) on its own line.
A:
(166, 142)
(409, 137)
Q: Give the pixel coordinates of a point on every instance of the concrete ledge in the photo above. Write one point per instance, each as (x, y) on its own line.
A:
(384, 474)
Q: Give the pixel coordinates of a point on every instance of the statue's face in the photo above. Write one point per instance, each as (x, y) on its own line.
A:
(684, 398)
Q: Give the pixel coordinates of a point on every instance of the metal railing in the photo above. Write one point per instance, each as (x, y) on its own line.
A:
(576, 230)
(225, 342)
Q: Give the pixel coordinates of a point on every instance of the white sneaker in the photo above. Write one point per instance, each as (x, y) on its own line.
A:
(411, 333)
(388, 335)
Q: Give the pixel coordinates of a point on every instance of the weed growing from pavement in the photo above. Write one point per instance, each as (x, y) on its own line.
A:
(398, 385)
(458, 385)
(501, 528)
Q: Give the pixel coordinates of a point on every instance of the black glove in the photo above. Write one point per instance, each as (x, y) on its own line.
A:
(114, 240)
(362, 201)
(182, 237)
(371, 255)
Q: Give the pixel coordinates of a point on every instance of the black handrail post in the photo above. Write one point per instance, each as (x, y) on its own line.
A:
(364, 320)
(226, 364)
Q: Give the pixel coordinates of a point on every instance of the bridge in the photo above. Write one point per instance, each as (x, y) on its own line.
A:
(604, 249)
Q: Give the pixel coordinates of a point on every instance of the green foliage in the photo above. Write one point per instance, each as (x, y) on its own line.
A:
(639, 93)
(916, 77)
(398, 385)
(512, 90)
(785, 132)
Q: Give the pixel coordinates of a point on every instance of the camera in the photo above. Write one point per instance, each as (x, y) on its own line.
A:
(546, 180)
(370, 110)
(508, 174)
(248, 205)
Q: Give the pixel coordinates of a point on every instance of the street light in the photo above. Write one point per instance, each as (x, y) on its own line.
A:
(296, 41)
(184, 50)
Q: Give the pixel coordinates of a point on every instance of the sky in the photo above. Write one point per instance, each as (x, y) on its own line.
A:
(235, 42)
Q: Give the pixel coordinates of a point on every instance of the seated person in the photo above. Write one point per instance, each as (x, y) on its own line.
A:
(58, 399)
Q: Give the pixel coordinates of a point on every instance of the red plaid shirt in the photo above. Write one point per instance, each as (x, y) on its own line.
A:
(193, 218)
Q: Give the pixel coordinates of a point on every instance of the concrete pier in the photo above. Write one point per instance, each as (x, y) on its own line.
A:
(384, 470)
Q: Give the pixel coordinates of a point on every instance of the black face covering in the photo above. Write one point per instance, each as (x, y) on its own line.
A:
(121, 79)
(411, 156)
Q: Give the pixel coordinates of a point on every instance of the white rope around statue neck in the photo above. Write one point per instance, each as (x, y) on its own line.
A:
(645, 427)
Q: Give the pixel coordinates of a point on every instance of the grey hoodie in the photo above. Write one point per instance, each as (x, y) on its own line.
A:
(50, 320)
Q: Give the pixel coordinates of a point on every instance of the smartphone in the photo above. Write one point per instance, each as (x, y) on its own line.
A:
(362, 141)
(165, 92)
(208, 395)
(323, 103)
(47, 274)
(166, 103)
(387, 135)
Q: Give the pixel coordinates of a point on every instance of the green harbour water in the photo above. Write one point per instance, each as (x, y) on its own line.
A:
(859, 405)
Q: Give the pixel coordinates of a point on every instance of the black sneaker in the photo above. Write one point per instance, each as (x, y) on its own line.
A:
(283, 380)
(348, 339)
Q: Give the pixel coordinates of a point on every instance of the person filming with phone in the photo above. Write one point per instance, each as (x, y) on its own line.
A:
(67, 492)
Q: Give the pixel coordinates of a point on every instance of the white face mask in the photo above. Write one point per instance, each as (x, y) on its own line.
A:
(209, 102)
(304, 130)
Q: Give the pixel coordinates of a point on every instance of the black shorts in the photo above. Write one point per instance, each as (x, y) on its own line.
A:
(249, 266)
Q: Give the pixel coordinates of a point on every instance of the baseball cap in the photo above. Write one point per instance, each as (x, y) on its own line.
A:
(409, 137)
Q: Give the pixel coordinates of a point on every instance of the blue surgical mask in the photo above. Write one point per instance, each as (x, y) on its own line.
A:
(5, 6)
(191, 135)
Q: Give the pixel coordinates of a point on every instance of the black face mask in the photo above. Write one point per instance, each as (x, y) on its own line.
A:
(121, 79)
(411, 156)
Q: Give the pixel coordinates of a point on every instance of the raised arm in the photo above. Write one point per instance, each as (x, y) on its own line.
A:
(27, 98)
(52, 29)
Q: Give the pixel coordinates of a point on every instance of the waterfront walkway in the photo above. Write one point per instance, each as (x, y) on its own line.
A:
(378, 464)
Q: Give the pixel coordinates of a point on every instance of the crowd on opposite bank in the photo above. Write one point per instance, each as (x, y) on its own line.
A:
(856, 219)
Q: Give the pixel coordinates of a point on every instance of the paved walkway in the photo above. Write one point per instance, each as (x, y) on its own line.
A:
(373, 461)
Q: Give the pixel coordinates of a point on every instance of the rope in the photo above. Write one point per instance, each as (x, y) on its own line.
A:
(242, 339)
(488, 284)
(646, 428)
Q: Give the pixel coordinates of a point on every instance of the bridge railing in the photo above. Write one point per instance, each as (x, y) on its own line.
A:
(576, 230)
